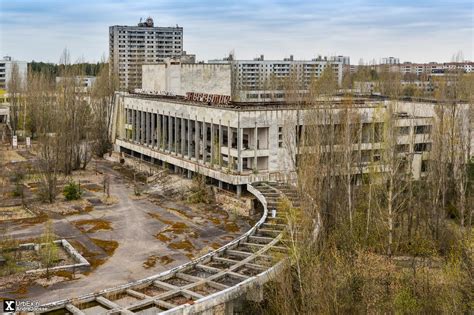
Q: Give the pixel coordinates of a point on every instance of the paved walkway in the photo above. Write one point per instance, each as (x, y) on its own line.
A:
(134, 229)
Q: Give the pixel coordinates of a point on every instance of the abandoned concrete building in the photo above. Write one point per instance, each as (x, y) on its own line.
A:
(132, 46)
(184, 118)
(261, 80)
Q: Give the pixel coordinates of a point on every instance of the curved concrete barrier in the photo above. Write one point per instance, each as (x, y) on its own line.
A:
(205, 283)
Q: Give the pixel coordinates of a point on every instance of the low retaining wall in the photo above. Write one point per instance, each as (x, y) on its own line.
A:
(81, 262)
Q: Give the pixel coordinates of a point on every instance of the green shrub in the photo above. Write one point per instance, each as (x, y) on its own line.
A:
(72, 191)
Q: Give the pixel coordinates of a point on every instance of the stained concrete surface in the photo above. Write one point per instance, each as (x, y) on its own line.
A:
(135, 230)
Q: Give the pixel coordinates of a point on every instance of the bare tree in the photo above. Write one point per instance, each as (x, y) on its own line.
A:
(15, 89)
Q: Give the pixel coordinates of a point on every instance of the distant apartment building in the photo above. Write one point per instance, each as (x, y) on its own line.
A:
(346, 60)
(430, 68)
(390, 61)
(132, 46)
(84, 82)
(4, 107)
(6, 67)
(263, 80)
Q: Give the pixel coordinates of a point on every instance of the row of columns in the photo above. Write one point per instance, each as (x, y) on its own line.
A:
(174, 134)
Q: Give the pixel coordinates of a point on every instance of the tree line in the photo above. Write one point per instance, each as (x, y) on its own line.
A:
(87, 69)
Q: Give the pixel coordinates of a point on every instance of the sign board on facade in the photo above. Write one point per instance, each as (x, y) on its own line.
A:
(15, 141)
(208, 98)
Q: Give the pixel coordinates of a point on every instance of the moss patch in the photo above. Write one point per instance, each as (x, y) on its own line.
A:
(184, 244)
(108, 246)
(93, 225)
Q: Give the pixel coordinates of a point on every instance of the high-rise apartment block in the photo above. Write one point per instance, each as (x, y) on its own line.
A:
(263, 80)
(6, 67)
(132, 46)
(390, 61)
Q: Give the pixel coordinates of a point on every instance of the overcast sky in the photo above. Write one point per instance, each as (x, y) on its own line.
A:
(413, 30)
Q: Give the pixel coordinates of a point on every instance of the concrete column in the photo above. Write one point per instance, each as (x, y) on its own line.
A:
(183, 136)
(229, 145)
(239, 148)
(196, 139)
(142, 127)
(255, 139)
(170, 132)
(147, 128)
(239, 190)
(212, 143)
(126, 122)
(220, 144)
(204, 142)
(133, 125)
(220, 184)
(164, 133)
(159, 133)
(137, 126)
(189, 137)
(190, 174)
(153, 129)
(176, 149)
(164, 138)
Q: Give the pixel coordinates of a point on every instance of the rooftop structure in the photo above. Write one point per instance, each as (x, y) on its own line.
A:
(222, 78)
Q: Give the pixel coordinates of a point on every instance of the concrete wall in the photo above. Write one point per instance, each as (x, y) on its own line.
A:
(181, 78)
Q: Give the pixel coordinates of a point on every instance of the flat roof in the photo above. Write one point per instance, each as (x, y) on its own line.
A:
(360, 102)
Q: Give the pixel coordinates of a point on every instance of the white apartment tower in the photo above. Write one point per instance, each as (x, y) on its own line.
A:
(261, 80)
(6, 67)
(390, 61)
(132, 46)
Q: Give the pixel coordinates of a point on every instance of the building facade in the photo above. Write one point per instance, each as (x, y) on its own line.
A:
(234, 146)
(261, 80)
(185, 120)
(390, 61)
(84, 83)
(132, 46)
(6, 67)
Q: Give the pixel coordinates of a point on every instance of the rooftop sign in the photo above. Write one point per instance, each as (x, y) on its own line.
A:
(208, 98)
